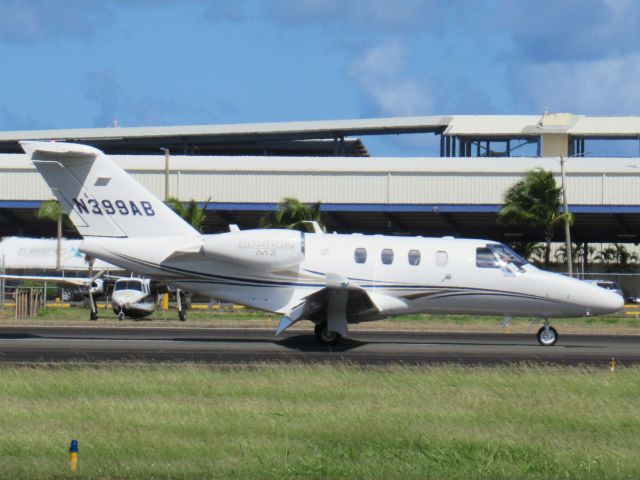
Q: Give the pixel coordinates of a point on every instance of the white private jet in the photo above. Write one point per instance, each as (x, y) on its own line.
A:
(330, 279)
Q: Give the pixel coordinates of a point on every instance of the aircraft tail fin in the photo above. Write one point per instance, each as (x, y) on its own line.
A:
(102, 200)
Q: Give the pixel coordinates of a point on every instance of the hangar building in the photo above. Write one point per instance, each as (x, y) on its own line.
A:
(245, 170)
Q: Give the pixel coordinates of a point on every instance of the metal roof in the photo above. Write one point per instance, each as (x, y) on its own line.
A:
(310, 137)
(274, 130)
(481, 125)
(493, 125)
(534, 125)
(606, 127)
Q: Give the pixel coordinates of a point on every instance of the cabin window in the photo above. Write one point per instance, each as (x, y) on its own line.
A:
(442, 258)
(485, 258)
(414, 257)
(507, 255)
(128, 285)
(387, 256)
(360, 255)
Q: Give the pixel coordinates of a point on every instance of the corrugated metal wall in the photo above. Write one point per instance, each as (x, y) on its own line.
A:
(345, 187)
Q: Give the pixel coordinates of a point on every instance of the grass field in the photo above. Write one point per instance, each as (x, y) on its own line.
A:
(622, 323)
(312, 422)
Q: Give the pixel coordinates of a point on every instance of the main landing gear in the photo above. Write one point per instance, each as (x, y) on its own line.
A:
(326, 337)
(94, 309)
(182, 310)
(547, 335)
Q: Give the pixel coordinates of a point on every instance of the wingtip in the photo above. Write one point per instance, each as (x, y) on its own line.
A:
(285, 322)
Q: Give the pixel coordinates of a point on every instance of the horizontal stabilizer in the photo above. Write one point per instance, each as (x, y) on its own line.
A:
(59, 148)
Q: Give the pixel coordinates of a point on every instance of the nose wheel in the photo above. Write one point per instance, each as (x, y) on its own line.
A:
(547, 335)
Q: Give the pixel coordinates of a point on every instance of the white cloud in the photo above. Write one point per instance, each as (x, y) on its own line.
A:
(103, 88)
(26, 21)
(604, 86)
(385, 84)
(548, 30)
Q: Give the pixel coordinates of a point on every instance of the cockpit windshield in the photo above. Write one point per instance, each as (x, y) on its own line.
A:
(493, 254)
(128, 285)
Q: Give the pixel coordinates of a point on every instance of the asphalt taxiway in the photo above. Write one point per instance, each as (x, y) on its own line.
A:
(242, 346)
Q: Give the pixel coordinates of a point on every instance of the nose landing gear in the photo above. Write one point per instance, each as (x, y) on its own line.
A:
(547, 335)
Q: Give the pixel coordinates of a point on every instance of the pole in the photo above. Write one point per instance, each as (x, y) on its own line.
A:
(567, 230)
(2, 286)
(59, 244)
(166, 173)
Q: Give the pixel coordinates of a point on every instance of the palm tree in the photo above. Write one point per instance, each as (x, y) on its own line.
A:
(577, 251)
(192, 213)
(535, 200)
(52, 210)
(294, 215)
(617, 257)
(532, 251)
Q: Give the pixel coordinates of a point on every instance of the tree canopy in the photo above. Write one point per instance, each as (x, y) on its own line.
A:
(536, 201)
(294, 215)
(50, 210)
(190, 212)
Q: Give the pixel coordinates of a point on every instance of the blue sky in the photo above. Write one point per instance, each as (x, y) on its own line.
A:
(85, 63)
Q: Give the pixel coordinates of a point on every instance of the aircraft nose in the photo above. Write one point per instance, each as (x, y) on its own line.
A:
(605, 301)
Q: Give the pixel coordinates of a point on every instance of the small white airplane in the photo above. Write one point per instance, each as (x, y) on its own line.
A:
(138, 297)
(132, 297)
(331, 279)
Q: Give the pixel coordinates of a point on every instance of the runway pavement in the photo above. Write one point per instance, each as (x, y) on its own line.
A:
(242, 346)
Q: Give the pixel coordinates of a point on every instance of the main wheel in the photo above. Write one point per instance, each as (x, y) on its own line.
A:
(182, 315)
(326, 337)
(547, 338)
(121, 315)
(93, 315)
(66, 294)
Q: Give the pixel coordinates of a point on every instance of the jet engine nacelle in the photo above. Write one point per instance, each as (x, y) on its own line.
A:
(262, 249)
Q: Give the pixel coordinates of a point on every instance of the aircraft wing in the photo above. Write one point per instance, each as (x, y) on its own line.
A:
(79, 281)
(336, 301)
(95, 284)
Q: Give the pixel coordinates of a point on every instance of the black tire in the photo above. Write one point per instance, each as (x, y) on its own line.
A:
(326, 337)
(182, 315)
(121, 315)
(547, 341)
(93, 316)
